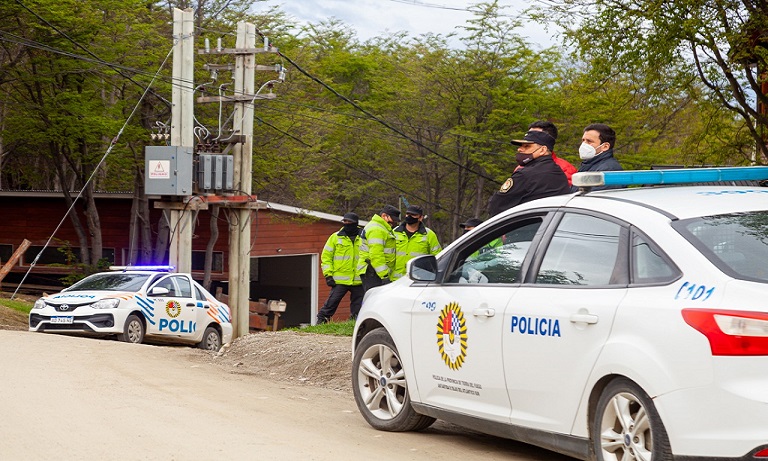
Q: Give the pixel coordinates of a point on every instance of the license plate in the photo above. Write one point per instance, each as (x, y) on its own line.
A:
(62, 319)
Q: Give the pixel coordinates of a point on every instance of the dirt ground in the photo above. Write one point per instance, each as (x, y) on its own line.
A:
(295, 357)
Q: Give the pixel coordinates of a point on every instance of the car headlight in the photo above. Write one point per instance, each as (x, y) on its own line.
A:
(109, 303)
(39, 304)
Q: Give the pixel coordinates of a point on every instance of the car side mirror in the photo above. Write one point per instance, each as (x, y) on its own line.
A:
(158, 291)
(423, 268)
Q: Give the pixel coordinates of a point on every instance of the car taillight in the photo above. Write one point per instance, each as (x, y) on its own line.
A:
(731, 332)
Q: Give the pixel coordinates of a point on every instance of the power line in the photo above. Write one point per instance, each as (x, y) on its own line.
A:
(385, 123)
(353, 168)
(74, 42)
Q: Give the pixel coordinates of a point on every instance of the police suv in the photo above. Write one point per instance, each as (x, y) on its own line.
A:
(624, 324)
(134, 304)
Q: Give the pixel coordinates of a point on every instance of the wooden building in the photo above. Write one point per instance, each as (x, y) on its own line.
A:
(285, 252)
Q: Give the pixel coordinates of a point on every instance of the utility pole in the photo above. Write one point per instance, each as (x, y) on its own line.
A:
(182, 134)
(242, 203)
(240, 228)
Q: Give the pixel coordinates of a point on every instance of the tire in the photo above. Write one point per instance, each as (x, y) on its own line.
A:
(133, 331)
(627, 427)
(211, 340)
(378, 382)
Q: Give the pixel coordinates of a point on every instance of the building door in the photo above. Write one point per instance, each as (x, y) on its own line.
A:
(290, 278)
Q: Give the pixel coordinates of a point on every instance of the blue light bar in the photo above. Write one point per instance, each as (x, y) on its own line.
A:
(672, 176)
(143, 268)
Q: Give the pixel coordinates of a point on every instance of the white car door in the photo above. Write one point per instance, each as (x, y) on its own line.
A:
(557, 322)
(176, 311)
(458, 325)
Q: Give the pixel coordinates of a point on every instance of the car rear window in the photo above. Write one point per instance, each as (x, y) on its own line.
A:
(736, 243)
(110, 282)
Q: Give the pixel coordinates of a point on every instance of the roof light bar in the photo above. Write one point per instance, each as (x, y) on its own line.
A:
(672, 176)
(143, 268)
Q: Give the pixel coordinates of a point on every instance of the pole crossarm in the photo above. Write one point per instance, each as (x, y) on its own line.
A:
(236, 98)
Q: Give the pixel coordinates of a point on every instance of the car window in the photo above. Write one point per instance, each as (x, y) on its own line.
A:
(649, 264)
(168, 284)
(584, 250)
(736, 243)
(185, 288)
(199, 293)
(496, 257)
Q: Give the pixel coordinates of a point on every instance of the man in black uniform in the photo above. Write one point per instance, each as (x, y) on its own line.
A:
(541, 176)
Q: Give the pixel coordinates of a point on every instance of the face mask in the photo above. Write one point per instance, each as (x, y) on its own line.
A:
(350, 229)
(411, 219)
(523, 159)
(586, 151)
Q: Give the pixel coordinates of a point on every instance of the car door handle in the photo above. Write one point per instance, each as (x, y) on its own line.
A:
(584, 318)
(484, 312)
(190, 304)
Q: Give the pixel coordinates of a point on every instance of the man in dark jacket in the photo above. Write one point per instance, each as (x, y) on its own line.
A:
(596, 151)
(540, 178)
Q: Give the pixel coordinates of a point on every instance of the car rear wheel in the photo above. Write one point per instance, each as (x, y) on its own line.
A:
(211, 340)
(378, 382)
(133, 331)
(627, 427)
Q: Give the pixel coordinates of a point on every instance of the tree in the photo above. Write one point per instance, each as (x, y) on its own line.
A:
(715, 51)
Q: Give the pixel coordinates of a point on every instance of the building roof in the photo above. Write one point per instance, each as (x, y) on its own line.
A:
(264, 204)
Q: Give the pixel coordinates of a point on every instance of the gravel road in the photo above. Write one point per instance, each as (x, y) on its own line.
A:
(69, 398)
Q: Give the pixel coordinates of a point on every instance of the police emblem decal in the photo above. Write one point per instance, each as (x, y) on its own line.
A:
(173, 309)
(452, 336)
(506, 186)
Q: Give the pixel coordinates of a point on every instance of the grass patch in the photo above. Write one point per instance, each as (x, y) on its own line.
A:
(331, 328)
(18, 305)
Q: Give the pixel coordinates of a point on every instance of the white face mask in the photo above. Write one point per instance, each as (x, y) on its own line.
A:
(586, 151)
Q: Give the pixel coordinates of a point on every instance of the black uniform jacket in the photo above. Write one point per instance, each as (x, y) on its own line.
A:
(540, 178)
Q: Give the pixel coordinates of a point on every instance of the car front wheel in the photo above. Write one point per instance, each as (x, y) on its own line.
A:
(378, 382)
(133, 331)
(211, 340)
(627, 427)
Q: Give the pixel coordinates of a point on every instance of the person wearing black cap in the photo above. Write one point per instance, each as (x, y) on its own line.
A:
(470, 224)
(551, 129)
(540, 178)
(413, 238)
(377, 248)
(339, 264)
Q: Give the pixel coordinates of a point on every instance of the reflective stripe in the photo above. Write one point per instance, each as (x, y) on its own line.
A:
(326, 266)
(342, 258)
(376, 241)
(417, 253)
(327, 248)
(380, 268)
(389, 251)
(400, 253)
(339, 278)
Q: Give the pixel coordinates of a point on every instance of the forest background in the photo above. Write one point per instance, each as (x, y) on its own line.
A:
(393, 119)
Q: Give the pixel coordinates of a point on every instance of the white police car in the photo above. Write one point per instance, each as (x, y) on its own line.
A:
(134, 304)
(627, 324)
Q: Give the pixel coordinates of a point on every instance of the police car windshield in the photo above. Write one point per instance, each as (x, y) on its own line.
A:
(736, 243)
(110, 282)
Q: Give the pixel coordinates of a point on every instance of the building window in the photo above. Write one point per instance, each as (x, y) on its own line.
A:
(198, 261)
(60, 255)
(6, 251)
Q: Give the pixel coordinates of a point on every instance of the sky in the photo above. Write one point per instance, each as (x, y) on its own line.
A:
(371, 18)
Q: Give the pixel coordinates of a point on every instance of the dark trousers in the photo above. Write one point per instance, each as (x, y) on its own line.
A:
(337, 293)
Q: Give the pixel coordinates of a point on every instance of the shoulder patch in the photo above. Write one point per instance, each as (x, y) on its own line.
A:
(506, 186)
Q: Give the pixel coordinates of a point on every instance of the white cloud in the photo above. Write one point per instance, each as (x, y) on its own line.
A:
(373, 18)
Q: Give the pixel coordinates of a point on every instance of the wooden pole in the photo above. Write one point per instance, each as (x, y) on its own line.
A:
(14, 258)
